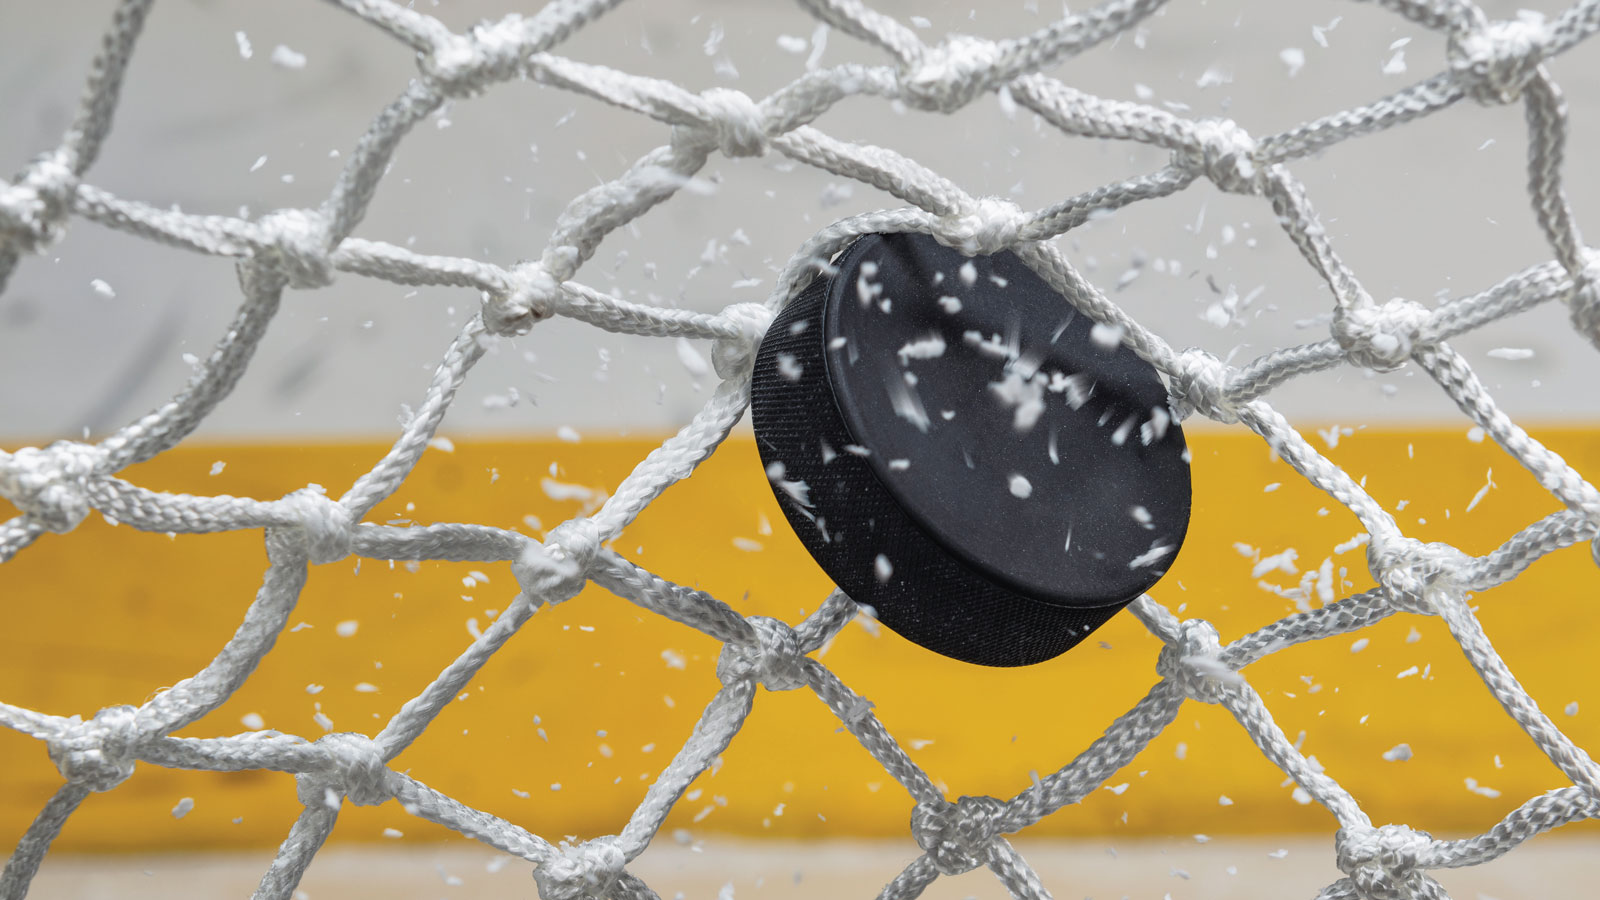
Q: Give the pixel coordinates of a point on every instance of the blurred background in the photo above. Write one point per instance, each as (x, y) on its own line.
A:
(238, 108)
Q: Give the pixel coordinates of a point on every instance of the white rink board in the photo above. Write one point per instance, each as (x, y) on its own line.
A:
(1435, 208)
(1556, 868)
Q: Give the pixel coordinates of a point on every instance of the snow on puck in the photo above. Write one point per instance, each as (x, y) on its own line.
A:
(957, 448)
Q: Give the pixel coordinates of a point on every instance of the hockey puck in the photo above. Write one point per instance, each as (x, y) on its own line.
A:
(962, 450)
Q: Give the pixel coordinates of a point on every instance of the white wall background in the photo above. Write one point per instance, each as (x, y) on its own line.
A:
(1433, 209)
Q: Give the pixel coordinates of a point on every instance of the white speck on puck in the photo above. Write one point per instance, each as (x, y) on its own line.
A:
(882, 569)
(1106, 337)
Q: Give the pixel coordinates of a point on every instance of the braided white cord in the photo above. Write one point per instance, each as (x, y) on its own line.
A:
(57, 486)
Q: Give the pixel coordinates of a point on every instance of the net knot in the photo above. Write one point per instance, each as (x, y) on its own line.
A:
(1497, 59)
(947, 77)
(1383, 863)
(1199, 385)
(956, 835)
(34, 206)
(731, 122)
(776, 660)
(983, 227)
(295, 245)
(555, 571)
(587, 869)
(1380, 338)
(1407, 567)
(734, 355)
(1194, 663)
(324, 524)
(51, 484)
(531, 295)
(1223, 152)
(492, 51)
(353, 768)
(98, 754)
(1585, 302)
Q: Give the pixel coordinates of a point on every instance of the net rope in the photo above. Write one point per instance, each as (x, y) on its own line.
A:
(56, 487)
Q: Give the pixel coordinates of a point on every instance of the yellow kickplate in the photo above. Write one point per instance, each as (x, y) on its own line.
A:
(563, 730)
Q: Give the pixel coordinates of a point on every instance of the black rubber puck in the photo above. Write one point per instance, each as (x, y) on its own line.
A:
(961, 450)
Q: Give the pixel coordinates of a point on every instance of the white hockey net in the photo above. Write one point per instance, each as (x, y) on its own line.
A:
(56, 487)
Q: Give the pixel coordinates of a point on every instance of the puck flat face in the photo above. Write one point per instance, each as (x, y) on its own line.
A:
(961, 449)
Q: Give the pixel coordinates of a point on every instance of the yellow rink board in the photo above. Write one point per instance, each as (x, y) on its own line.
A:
(109, 615)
